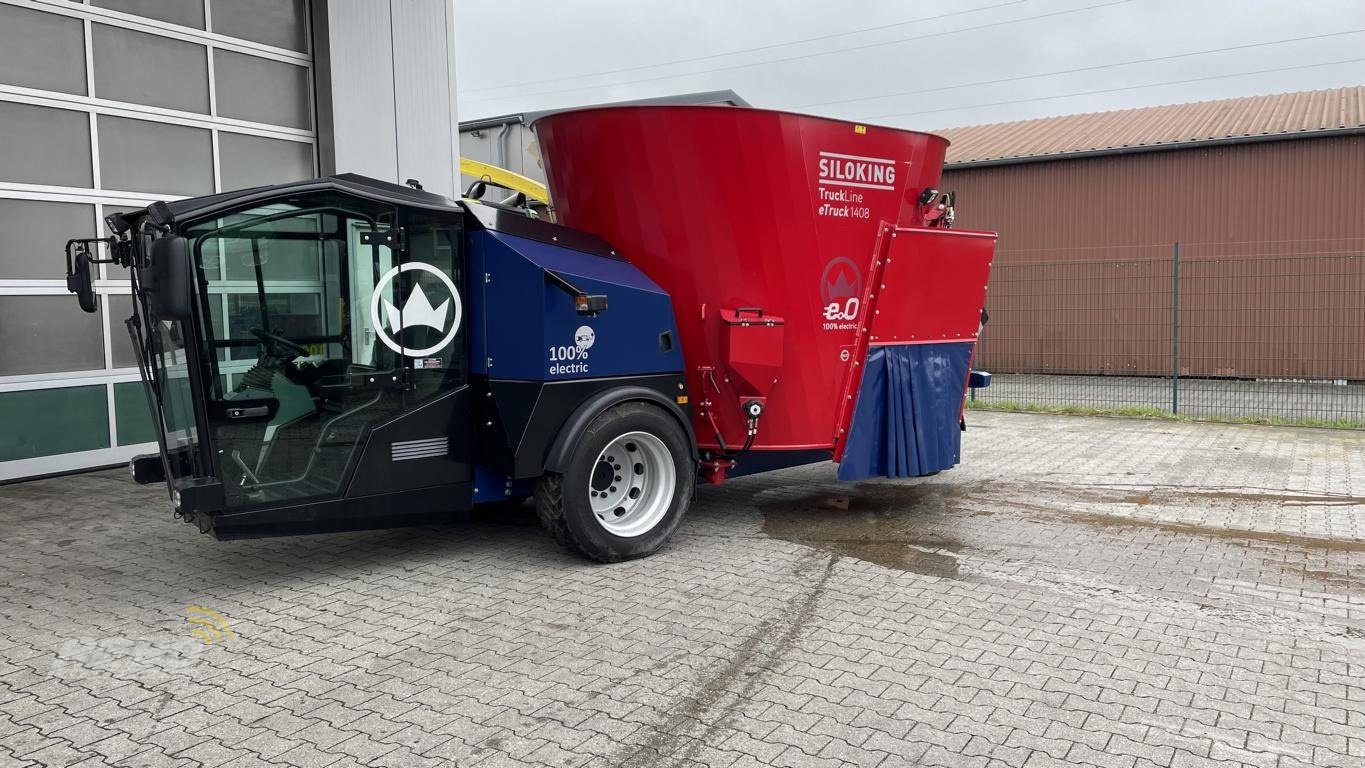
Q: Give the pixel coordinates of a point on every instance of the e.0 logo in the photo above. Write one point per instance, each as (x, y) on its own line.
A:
(848, 310)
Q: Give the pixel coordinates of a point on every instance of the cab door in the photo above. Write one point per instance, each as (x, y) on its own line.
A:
(417, 314)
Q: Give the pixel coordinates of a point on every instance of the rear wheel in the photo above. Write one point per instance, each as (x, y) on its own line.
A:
(626, 488)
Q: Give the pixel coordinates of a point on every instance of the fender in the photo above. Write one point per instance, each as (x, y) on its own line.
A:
(561, 450)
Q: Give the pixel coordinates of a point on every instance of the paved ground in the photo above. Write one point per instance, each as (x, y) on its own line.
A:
(1080, 592)
(1204, 398)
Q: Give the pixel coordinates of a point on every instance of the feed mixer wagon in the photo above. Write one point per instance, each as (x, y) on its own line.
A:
(727, 291)
(825, 307)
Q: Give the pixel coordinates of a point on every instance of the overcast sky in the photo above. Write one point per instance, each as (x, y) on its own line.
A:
(912, 64)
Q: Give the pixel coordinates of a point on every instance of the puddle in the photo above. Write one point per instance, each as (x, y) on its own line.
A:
(922, 527)
(895, 526)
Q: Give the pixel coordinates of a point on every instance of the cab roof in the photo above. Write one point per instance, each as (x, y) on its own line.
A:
(352, 183)
(489, 216)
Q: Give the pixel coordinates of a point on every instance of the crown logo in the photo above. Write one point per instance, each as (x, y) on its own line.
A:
(841, 287)
(416, 311)
(841, 280)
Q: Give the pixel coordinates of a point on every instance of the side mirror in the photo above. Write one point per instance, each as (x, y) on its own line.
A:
(79, 281)
(169, 287)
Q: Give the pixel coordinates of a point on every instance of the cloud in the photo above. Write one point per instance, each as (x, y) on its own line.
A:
(524, 55)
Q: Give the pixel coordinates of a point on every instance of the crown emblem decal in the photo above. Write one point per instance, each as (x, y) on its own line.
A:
(388, 320)
(417, 310)
(842, 287)
(842, 279)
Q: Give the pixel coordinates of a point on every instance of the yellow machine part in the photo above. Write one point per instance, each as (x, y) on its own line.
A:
(533, 189)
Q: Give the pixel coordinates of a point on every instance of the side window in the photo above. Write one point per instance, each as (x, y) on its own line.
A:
(434, 305)
(369, 264)
(278, 276)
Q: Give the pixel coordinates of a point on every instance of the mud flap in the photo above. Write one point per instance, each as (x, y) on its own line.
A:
(906, 419)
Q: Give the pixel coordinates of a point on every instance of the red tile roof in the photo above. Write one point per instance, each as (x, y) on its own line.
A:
(1282, 114)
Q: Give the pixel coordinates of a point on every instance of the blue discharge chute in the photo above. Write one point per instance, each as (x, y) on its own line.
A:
(906, 420)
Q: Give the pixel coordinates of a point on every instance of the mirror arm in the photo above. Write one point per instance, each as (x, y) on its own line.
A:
(120, 250)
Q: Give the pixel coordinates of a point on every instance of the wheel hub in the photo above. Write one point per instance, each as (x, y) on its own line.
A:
(602, 476)
(632, 484)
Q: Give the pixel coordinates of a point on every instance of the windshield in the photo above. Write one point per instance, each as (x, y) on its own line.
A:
(165, 364)
(177, 404)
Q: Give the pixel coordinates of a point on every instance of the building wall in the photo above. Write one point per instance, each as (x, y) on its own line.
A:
(109, 105)
(106, 106)
(386, 90)
(1272, 261)
(1257, 191)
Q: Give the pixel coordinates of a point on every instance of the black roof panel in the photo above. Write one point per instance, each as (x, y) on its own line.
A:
(363, 186)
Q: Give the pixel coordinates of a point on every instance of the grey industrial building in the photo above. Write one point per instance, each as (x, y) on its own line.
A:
(108, 105)
(507, 141)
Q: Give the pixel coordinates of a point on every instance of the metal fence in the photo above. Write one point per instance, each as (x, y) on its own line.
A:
(1258, 331)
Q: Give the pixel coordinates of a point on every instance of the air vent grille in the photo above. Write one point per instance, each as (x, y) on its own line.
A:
(420, 449)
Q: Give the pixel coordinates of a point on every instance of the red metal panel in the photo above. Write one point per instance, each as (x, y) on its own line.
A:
(753, 351)
(928, 287)
(934, 285)
(730, 208)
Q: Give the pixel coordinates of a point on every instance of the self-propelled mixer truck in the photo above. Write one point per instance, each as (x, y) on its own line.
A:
(727, 291)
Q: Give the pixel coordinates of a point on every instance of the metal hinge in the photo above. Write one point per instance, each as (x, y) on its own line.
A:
(396, 238)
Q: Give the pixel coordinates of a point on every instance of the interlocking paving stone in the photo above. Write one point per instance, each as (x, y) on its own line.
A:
(1080, 591)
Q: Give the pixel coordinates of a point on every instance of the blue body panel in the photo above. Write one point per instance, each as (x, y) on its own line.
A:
(491, 485)
(528, 327)
(906, 420)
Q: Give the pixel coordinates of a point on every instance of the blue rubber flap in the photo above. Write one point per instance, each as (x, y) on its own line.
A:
(905, 422)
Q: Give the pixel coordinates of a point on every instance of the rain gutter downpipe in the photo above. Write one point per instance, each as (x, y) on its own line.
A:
(502, 144)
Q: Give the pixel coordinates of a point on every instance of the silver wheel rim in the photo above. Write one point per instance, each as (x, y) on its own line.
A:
(631, 484)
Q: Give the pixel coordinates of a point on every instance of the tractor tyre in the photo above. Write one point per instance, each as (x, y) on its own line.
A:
(626, 488)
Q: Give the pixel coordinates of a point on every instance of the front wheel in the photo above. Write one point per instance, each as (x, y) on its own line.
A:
(626, 488)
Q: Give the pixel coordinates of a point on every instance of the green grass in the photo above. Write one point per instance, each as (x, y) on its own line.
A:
(1147, 412)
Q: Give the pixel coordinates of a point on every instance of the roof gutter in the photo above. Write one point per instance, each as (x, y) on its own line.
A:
(1196, 144)
(492, 122)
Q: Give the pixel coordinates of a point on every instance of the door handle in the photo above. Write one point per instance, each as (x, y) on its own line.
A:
(254, 412)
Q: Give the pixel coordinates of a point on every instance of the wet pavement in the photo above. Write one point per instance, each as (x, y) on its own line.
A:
(1081, 591)
(1055, 535)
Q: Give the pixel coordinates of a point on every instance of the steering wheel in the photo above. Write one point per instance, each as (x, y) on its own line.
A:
(276, 342)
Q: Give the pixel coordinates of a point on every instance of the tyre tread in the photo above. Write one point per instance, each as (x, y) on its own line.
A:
(549, 502)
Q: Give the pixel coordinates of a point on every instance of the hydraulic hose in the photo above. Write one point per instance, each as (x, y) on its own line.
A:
(725, 453)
